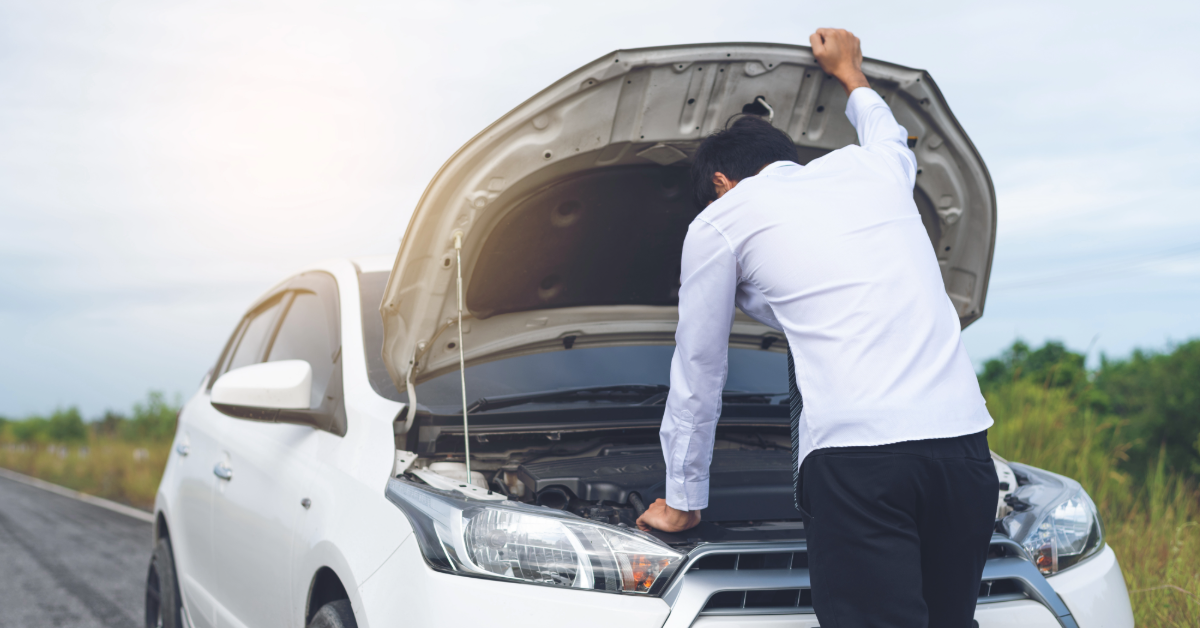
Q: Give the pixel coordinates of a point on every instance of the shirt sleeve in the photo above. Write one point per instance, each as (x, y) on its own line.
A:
(708, 282)
(755, 305)
(880, 134)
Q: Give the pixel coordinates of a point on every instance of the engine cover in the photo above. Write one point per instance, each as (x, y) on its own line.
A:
(743, 485)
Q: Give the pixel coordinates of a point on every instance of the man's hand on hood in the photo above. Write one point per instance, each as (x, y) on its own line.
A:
(660, 516)
(840, 55)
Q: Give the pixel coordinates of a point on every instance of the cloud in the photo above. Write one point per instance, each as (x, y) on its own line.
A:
(163, 163)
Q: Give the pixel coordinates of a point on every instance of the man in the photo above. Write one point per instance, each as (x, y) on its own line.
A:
(894, 480)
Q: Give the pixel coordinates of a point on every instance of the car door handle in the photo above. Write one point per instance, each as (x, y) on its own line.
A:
(223, 471)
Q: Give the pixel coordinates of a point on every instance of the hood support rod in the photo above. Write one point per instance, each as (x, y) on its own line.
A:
(462, 362)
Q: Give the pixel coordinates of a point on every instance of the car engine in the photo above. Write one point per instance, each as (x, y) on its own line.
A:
(615, 485)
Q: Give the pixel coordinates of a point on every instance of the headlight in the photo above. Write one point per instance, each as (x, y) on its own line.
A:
(518, 542)
(1053, 519)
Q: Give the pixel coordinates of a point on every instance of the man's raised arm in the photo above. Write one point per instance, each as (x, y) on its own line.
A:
(840, 55)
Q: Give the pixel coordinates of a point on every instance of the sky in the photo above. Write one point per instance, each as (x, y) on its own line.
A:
(163, 163)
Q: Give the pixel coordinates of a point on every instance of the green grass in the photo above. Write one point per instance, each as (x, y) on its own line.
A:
(105, 466)
(1152, 523)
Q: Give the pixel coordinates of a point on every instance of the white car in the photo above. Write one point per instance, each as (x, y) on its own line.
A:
(320, 476)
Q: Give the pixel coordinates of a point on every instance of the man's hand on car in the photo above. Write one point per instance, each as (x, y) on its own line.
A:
(660, 516)
(840, 55)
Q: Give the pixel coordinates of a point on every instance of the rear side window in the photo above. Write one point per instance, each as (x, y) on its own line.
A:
(305, 335)
(250, 345)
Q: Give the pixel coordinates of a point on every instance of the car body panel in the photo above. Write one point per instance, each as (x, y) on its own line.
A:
(224, 547)
(645, 109)
(255, 516)
(189, 469)
(1095, 592)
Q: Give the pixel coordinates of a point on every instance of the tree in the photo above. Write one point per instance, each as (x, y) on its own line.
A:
(1156, 395)
(1159, 393)
(110, 424)
(66, 426)
(31, 430)
(1053, 366)
(153, 420)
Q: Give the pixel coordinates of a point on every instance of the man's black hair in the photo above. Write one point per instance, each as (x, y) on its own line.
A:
(740, 151)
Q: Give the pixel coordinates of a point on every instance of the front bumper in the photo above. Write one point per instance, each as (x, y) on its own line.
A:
(1089, 595)
(1015, 614)
(1095, 592)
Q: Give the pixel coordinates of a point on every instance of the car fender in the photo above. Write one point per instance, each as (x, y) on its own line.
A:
(349, 529)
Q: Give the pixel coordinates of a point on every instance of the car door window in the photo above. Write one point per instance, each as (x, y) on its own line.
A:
(305, 335)
(256, 331)
(227, 352)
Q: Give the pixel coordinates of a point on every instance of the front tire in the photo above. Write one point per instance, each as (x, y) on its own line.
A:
(163, 608)
(337, 614)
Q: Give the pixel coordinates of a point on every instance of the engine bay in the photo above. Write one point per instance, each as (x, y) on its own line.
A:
(744, 484)
(611, 476)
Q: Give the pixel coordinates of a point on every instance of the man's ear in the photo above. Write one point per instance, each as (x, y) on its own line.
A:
(722, 183)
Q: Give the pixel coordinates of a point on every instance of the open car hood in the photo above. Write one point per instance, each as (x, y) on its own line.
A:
(574, 205)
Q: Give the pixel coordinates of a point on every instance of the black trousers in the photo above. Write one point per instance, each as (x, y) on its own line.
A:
(898, 534)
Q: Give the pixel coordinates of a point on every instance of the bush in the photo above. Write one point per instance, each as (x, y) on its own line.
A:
(66, 426)
(153, 420)
(1155, 395)
(1160, 396)
(110, 424)
(31, 430)
(63, 427)
(1052, 366)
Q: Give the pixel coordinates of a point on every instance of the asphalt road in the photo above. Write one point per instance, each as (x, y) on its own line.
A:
(65, 562)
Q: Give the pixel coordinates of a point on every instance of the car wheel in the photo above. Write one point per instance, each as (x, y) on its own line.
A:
(334, 615)
(163, 609)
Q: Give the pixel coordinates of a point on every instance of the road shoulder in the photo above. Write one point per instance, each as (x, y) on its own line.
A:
(128, 511)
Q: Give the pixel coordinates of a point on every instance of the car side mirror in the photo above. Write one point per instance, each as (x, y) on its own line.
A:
(272, 392)
(286, 384)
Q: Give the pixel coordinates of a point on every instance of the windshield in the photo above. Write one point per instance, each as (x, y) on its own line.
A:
(750, 370)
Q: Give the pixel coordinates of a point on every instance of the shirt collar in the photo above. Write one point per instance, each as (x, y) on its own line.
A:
(777, 164)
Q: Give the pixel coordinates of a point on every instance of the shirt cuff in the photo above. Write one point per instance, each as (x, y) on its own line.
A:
(861, 100)
(684, 495)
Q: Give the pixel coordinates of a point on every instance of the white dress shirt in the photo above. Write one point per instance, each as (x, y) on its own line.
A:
(834, 255)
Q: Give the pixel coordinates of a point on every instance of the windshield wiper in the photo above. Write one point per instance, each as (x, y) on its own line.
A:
(632, 393)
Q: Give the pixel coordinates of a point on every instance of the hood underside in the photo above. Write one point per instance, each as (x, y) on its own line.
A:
(574, 205)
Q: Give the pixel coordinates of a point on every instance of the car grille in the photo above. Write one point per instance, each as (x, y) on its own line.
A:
(743, 561)
(1001, 590)
(762, 579)
(800, 600)
(779, 600)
